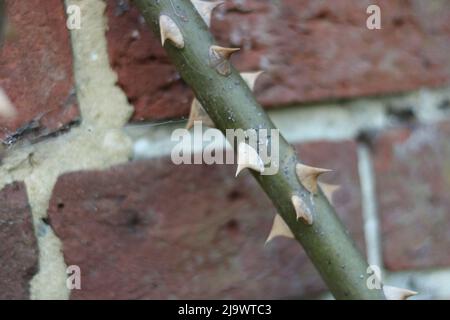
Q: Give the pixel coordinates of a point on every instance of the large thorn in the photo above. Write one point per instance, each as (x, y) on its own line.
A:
(394, 293)
(308, 176)
(279, 229)
(329, 190)
(205, 9)
(219, 58)
(7, 110)
(301, 210)
(170, 31)
(198, 113)
(248, 157)
(250, 78)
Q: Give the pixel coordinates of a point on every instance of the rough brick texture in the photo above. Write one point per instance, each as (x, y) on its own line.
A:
(310, 50)
(413, 179)
(18, 249)
(36, 67)
(155, 230)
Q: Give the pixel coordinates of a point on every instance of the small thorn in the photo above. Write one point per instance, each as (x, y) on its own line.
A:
(7, 110)
(308, 176)
(279, 228)
(394, 293)
(205, 9)
(250, 78)
(223, 53)
(329, 190)
(301, 210)
(248, 157)
(220, 59)
(170, 31)
(198, 113)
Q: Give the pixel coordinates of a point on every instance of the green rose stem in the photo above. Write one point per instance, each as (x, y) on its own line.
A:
(226, 97)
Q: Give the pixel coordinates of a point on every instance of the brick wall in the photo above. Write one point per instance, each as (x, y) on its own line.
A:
(86, 177)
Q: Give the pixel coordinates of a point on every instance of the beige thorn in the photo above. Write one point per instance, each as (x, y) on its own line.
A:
(170, 31)
(205, 9)
(219, 59)
(250, 78)
(7, 110)
(308, 176)
(223, 53)
(198, 113)
(248, 157)
(329, 190)
(301, 210)
(394, 293)
(279, 229)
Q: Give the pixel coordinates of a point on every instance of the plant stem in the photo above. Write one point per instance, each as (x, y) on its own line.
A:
(231, 105)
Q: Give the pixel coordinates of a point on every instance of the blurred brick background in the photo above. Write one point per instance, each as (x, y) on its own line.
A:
(149, 229)
(310, 50)
(36, 66)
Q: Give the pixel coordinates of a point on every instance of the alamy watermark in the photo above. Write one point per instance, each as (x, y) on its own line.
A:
(266, 143)
(374, 280)
(73, 281)
(73, 17)
(373, 22)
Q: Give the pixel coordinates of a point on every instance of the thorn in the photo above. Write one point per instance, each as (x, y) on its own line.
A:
(248, 157)
(223, 53)
(279, 229)
(205, 9)
(198, 113)
(220, 59)
(170, 31)
(329, 190)
(308, 176)
(301, 210)
(394, 293)
(250, 78)
(7, 110)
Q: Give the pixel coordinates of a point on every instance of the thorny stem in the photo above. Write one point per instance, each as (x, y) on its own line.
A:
(231, 105)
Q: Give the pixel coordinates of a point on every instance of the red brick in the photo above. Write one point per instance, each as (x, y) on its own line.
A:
(311, 50)
(36, 66)
(18, 249)
(155, 230)
(413, 179)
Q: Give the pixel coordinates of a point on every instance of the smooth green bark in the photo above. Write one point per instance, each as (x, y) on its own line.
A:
(231, 105)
